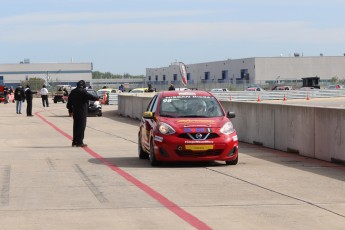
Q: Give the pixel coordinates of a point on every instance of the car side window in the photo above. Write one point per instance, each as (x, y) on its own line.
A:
(154, 105)
(151, 104)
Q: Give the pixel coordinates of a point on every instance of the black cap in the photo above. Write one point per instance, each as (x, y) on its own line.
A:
(81, 84)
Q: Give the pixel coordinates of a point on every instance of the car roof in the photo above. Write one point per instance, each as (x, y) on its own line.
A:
(179, 93)
(140, 89)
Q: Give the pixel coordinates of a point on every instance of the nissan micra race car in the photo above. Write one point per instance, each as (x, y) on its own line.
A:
(187, 126)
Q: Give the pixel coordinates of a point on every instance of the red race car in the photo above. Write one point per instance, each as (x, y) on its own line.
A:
(187, 126)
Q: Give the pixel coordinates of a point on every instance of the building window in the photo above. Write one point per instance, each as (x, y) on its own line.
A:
(224, 74)
(149, 78)
(163, 77)
(207, 75)
(244, 74)
(175, 77)
(188, 76)
(156, 77)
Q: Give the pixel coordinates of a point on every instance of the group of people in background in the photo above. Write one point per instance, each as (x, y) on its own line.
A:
(77, 104)
(21, 95)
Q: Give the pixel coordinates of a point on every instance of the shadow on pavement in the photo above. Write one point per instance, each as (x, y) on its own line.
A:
(113, 115)
(293, 160)
(134, 162)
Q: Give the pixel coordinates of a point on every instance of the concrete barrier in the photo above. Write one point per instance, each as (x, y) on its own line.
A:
(133, 105)
(309, 131)
(330, 134)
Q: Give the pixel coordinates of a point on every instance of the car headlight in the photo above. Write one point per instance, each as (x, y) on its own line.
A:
(96, 103)
(166, 129)
(227, 128)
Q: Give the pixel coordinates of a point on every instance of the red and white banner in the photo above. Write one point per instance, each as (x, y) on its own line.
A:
(183, 72)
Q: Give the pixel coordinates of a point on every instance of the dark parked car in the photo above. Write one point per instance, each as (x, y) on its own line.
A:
(95, 107)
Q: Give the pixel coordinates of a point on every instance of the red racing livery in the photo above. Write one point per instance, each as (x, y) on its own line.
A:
(187, 126)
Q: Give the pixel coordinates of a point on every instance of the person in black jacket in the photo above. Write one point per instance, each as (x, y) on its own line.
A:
(171, 87)
(19, 97)
(78, 102)
(28, 98)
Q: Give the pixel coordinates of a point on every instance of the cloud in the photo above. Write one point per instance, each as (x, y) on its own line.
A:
(162, 26)
(105, 17)
(300, 32)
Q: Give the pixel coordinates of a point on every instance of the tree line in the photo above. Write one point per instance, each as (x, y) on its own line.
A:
(36, 83)
(108, 75)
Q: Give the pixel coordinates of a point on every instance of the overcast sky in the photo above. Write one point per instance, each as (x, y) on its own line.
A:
(130, 36)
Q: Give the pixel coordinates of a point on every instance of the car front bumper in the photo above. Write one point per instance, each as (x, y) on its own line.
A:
(172, 148)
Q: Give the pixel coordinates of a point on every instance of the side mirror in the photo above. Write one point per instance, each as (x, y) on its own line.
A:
(231, 115)
(148, 115)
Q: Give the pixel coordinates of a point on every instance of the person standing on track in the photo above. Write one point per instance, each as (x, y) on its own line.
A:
(44, 96)
(19, 97)
(28, 97)
(78, 102)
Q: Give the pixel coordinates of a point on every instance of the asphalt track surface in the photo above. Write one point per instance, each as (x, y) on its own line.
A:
(47, 184)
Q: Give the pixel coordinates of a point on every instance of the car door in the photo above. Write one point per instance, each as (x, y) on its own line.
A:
(147, 124)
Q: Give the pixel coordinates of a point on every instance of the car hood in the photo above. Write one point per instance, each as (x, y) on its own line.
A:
(214, 122)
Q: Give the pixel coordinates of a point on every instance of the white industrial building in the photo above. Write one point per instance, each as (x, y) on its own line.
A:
(255, 70)
(63, 73)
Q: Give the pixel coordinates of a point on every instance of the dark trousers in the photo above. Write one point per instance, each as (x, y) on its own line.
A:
(45, 100)
(79, 125)
(29, 107)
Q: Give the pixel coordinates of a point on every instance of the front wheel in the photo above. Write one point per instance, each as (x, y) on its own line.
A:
(234, 162)
(153, 160)
(142, 154)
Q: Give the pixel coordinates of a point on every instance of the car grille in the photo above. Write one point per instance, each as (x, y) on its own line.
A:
(197, 136)
(190, 153)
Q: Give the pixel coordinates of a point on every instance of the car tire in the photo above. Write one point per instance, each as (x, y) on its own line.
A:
(142, 154)
(153, 160)
(55, 101)
(234, 162)
(100, 113)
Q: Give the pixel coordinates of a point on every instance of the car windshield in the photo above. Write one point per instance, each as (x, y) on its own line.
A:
(190, 106)
(92, 92)
(101, 92)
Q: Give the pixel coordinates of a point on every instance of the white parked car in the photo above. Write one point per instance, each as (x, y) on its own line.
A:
(181, 89)
(220, 90)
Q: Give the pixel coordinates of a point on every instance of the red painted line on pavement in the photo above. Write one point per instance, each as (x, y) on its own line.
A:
(54, 126)
(189, 218)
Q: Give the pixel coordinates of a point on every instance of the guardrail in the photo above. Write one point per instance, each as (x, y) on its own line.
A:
(277, 95)
(113, 99)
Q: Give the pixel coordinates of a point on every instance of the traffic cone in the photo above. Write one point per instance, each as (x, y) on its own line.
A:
(284, 99)
(259, 98)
